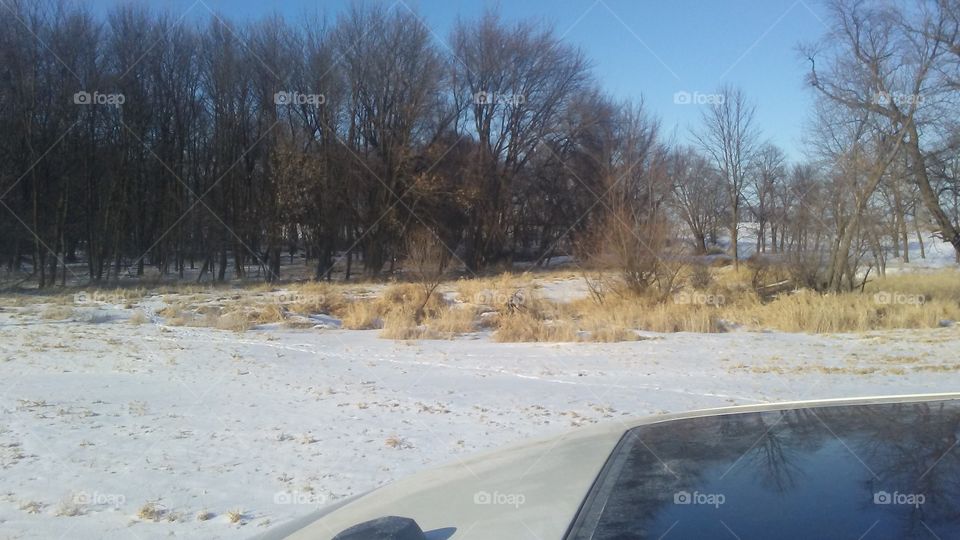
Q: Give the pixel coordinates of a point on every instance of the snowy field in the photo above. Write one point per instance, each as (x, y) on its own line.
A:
(115, 430)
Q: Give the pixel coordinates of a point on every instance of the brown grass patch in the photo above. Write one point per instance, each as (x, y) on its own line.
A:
(138, 318)
(235, 321)
(58, 313)
(151, 511)
(453, 321)
(527, 325)
(395, 310)
(807, 311)
(361, 315)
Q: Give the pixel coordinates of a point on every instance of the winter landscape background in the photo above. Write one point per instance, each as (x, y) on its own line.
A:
(251, 264)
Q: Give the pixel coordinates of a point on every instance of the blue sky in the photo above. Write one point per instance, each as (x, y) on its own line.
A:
(648, 48)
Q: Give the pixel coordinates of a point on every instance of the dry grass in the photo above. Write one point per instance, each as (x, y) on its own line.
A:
(31, 507)
(58, 313)
(617, 319)
(640, 313)
(361, 315)
(151, 511)
(941, 285)
(706, 300)
(69, 508)
(493, 291)
(401, 325)
(173, 311)
(528, 325)
(234, 516)
(447, 322)
(853, 312)
(397, 442)
(253, 306)
(440, 319)
(254, 313)
(610, 334)
(453, 321)
(730, 300)
(315, 297)
(395, 310)
(234, 321)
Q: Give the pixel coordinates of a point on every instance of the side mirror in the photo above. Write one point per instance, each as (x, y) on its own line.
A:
(385, 528)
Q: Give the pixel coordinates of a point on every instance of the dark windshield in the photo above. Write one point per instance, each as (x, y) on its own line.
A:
(877, 471)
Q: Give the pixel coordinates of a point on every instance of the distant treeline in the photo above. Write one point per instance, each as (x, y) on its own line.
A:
(148, 139)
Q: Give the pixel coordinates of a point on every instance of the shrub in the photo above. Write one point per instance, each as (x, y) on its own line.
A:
(362, 315)
(524, 326)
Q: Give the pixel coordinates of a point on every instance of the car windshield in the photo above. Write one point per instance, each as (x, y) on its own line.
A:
(876, 471)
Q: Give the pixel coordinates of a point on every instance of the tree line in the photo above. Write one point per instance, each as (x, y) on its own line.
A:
(141, 139)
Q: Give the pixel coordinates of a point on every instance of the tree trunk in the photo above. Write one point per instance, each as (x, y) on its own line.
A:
(948, 231)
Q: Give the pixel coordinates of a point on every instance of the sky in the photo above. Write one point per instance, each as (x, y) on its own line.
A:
(649, 49)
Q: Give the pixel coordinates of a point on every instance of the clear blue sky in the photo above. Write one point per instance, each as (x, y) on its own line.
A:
(648, 48)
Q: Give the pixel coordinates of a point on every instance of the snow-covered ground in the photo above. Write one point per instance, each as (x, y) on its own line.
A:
(100, 419)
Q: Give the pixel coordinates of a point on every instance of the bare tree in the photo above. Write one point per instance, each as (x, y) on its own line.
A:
(512, 84)
(426, 260)
(697, 195)
(729, 136)
(886, 61)
(392, 71)
(766, 174)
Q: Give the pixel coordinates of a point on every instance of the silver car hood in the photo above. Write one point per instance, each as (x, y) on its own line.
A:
(529, 490)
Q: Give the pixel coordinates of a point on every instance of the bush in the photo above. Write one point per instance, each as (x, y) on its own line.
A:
(700, 277)
(362, 315)
(526, 326)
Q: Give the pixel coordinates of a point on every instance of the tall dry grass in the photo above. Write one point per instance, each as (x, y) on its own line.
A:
(727, 299)
(706, 300)
(529, 326)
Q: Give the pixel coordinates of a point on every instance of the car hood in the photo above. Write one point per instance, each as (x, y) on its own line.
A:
(529, 490)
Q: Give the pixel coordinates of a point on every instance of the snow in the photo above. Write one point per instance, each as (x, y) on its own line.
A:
(937, 254)
(101, 417)
(563, 290)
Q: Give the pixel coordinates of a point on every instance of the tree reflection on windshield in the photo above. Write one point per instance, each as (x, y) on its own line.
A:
(872, 471)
